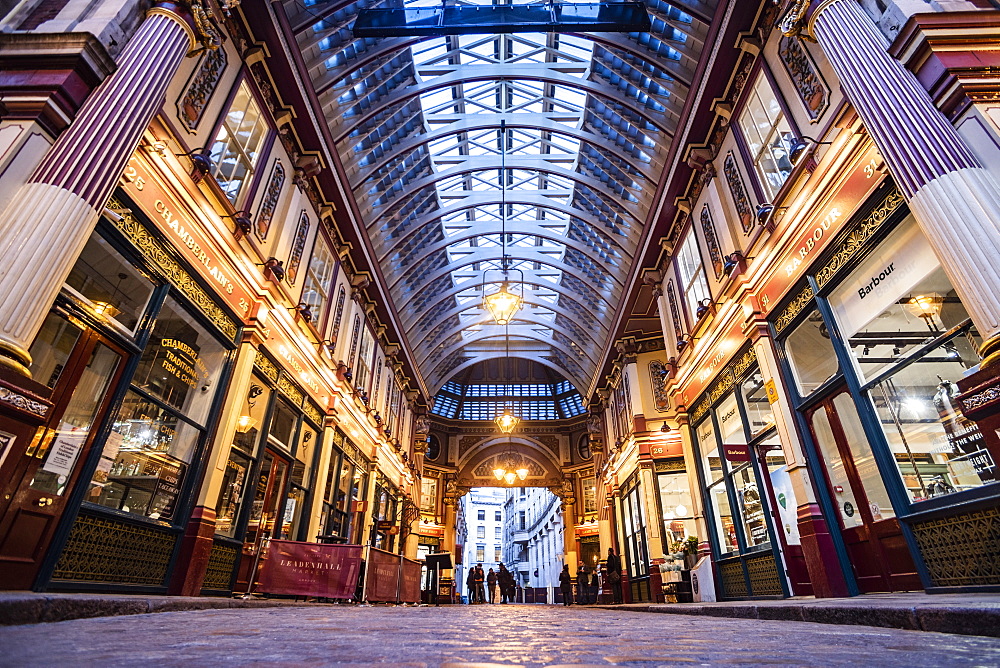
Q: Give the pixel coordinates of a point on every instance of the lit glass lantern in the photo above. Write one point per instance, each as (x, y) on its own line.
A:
(503, 304)
(506, 421)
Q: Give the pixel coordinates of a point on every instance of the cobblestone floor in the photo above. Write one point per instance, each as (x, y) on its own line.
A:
(474, 637)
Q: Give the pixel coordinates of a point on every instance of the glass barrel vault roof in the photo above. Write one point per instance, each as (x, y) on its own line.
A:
(416, 123)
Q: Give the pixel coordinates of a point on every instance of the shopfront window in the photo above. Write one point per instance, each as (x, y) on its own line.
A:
(759, 413)
(634, 526)
(768, 136)
(181, 364)
(238, 145)
(283, 423)
(811, 354)
(319, 275)
(241, 456)
(735, 432)
(589, 494)
(110, 284)
(678, 510)
(911, 340)
(162, 419)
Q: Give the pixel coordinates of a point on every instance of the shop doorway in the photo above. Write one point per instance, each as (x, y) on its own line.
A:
(872, 534)
(265, 515)
(80, 366)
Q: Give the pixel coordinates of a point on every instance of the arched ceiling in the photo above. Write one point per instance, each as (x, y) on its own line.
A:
(417, 124)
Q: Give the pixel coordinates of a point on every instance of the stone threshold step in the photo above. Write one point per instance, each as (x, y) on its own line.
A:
(34, 608)
(978, 617)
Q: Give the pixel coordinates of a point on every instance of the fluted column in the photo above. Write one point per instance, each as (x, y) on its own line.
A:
(954, 199)
(48, 222)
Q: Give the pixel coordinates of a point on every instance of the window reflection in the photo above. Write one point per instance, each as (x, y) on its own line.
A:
(810, 354)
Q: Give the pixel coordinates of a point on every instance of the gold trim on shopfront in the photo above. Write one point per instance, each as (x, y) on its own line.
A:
(266, 367)
(863, 231)
(155, 253)
(726, 380)
(794, 308)
(23, 403)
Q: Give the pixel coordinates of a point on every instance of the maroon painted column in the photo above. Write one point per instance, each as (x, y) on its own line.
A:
(47, 223)
(954, 199)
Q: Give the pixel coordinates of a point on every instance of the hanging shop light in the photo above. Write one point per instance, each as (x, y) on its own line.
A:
(246, 422)
(506, 421)
(505, 302)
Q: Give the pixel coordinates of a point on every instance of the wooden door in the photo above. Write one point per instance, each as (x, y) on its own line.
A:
(872, 534)
(82, 368)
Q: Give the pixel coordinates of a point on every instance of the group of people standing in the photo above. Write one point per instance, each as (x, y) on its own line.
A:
(492, 587)
(588, 584)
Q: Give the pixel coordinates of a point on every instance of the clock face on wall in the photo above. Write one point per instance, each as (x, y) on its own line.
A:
(433, 448)
(584, 447)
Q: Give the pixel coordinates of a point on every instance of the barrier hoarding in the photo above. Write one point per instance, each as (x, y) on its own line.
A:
(310, 569)
(409, 581)
(382, 576)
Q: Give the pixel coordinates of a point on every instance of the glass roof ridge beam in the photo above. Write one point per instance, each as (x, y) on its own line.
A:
(640, 206)
(440, 20)
(489, 254)
(596, 325)
(453, 292)
(542, 73)
(489, 229)
(535, 199)
(427, 345)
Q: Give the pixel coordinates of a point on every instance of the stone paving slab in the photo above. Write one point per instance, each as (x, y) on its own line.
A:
(33, 608)
(474, 637)
(964, 614)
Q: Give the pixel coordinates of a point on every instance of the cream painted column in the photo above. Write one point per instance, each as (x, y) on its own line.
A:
(691, 465)
(570, 554)
(49, 220)
(368, 517)
(239, 387)
(954, 199)
(654, 519)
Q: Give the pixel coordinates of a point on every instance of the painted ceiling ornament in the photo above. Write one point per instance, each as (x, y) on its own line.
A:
(794, 21)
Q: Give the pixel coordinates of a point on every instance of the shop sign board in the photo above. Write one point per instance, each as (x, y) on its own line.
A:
(663, 446)
(185, 234)
(299, 370)
(822, 228)
(736, 452)
(311, 569)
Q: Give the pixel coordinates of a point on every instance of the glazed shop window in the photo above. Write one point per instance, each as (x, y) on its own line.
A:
(898, 300)
(589, 494)
(162, 418)
(238, 144)
(768, 136)
(810, 354)
(758, 406)
(283, 423)
(319, 275)
(109, 283)
(729, 476)
(676, 505)
(240, 463)
(912, 340)
(428, 495)
(295, 515)
(181, 364)
(691, 275)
